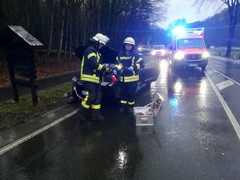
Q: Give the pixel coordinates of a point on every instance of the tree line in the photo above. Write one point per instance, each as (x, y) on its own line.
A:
(63, 25)
(217, 30)
(231, 16)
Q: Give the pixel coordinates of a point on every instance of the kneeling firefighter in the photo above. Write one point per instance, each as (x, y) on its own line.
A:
(91, 72)
(131, 63)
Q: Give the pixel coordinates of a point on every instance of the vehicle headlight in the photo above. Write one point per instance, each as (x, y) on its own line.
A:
(153, 53)
(205, 55)
(179, 55)
(140, 49)
(163, 52)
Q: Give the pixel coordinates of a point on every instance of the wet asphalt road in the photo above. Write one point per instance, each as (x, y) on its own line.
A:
(193, 136)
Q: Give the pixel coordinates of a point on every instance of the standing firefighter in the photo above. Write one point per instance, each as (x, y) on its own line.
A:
(91, 72)
(129, 76)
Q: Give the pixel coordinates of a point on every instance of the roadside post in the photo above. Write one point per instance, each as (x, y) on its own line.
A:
(20, 46)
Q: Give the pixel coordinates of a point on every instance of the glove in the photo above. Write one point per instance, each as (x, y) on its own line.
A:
(130, 68)
(114, 72)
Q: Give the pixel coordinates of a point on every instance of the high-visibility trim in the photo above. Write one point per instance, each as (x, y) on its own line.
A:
(85, 105)
(140, 59)
(82, 66)
(91, 54)
(123, 102)
(131, 103)
(96, 106)
(98, 57)
(85, 100)
(100, 67)
(94, 79)
(138, 66)
(125, 57)
(117, 59)
(133, 59)
(129, 78)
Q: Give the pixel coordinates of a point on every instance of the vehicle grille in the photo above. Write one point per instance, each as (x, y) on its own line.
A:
(193, 56)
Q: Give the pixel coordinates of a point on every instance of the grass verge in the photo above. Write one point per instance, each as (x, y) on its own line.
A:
(14, 113)
(221, 52)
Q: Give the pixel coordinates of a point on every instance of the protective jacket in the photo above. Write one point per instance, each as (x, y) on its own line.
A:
(134, 60)
(91, 67)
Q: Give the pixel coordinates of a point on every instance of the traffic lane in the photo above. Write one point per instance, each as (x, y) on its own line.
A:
(192, 135)
(227, 67)
(190, 139)
(71, 150)
(70, 146)
(228, 89)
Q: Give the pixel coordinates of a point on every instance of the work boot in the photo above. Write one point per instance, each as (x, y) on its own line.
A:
(130, 110)
(96, 116)
(121, 110)
(83, 113)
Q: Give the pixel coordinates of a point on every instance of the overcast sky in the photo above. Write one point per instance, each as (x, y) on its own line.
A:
(179, 9)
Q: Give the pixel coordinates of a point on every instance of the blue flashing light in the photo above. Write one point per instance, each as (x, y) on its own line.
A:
(173, 102)
(178, 31)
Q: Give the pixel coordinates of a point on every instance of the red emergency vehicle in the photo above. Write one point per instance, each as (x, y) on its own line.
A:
(187, 48)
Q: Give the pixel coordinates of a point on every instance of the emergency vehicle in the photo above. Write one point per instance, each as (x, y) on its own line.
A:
(187, 48)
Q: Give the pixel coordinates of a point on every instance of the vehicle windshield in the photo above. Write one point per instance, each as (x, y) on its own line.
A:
(159, 47)
(190, 43)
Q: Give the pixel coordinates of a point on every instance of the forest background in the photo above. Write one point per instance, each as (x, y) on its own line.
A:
(63, 25)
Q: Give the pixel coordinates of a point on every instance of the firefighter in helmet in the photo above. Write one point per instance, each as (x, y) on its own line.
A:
(90, 76)
(131, 63)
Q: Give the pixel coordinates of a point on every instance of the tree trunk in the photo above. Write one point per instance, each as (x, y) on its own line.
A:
(61, 35)
(51, 27)
(67, 34)
(70, 37)
(232, 24)
(229, 45)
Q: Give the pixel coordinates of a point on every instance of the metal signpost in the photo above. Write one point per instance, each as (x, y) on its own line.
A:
(20, 46)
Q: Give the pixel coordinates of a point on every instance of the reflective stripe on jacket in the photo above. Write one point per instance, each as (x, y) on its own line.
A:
(133, 60)
(91, 67)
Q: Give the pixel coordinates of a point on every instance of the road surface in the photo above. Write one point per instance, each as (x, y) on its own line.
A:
(194, 136)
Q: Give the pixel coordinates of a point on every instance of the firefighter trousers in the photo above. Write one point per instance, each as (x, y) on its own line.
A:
(128, 93)
(93, 96)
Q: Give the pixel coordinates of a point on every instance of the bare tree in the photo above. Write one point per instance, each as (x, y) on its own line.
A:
(63, 6)
(67, 24)
(51, 7)
(233, 14)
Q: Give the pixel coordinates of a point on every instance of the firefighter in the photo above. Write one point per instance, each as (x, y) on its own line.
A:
(131, 63)
(91, 72)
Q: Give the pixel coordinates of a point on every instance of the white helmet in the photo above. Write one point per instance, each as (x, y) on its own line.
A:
(101, 38)
(129, 40)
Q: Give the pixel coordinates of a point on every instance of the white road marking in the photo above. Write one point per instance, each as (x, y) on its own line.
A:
(225, 76)
(230, 115)
(228, 77)
(34, 133)
(210, 72)
(224, 84)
